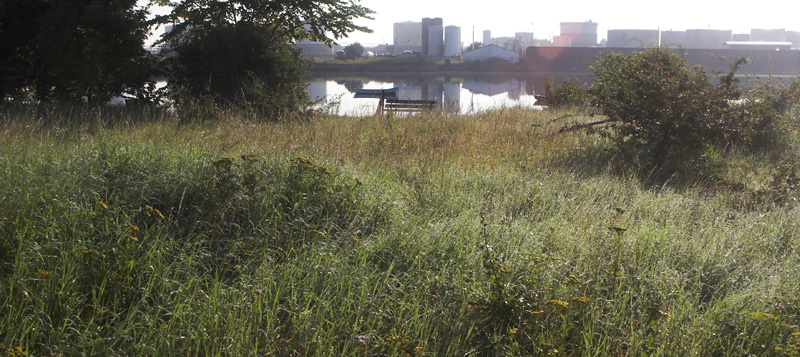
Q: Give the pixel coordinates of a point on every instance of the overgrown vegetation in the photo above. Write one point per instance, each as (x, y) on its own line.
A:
(146, 232)
(568, 93)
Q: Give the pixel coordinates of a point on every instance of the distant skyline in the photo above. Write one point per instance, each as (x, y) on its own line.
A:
(505, 17)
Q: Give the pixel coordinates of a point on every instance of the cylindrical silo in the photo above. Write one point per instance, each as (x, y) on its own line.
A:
(436, 38)
(452, 41)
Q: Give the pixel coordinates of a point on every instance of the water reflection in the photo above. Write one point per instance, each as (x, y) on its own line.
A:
(456, 95)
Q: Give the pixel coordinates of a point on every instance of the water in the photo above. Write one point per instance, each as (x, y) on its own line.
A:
(459, 95)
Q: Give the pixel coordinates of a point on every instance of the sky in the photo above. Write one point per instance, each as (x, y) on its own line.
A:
(505, 17)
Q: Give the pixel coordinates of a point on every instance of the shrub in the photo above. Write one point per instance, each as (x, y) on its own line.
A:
(567, 93)
(659, 101)
(664, 106)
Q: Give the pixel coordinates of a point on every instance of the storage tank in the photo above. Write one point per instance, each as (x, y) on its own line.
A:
(708, 39)
(675, 39)
(436, 38)
(632, 38)
(452, 41)
(579, 34)
(776, 35)
(426, 24)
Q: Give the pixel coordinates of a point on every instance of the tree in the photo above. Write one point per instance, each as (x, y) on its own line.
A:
(66, 50)
(237, 52)
(474, 46)
(354, 50)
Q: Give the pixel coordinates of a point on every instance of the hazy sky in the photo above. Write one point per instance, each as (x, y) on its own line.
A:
(504, 17)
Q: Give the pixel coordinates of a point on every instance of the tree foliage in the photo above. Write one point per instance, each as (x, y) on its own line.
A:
(238, 52)
(354, 50)
(474, 46)
(66, 50)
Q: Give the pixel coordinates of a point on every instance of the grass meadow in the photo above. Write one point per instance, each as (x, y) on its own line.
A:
(139, 232)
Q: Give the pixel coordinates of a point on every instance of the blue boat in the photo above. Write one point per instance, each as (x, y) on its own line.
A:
(376, 93)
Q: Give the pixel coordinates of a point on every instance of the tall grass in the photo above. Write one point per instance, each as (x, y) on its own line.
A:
(147, 233)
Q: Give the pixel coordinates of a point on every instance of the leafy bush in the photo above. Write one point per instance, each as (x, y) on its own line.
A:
(663, 105)
(567, 93)
(661, 102)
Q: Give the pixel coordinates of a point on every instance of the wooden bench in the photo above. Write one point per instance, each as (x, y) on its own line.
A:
(406, 106)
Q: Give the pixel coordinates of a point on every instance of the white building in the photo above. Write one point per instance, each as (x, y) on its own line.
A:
(491, 52)
(313, 48)
(452, 41)
(407, 36)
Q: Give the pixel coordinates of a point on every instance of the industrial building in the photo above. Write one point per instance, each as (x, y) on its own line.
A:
(632, 38)
(794, 38)
(311, 48)
(759, 45)
(491, 52)
(525, 39)
(314, 49)
(696, 39)
(577, 34)
(435, 38)
(407, 36)
(438, 42)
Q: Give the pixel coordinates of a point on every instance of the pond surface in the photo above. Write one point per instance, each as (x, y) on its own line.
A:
(458, 95)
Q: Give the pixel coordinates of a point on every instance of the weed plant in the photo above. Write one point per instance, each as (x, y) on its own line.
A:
(429, 234)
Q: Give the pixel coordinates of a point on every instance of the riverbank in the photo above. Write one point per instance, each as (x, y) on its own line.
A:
(412, 66)
(562, 61)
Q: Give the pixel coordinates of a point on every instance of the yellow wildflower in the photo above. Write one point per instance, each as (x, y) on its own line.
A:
(132, 227)
(572, 279)
(581, 299)
(133, 238)
(358, 241)
(552, 352)
(15, 352)
(512, 331)
(504, 270)
(558, 303)
(321, 234)
(418, 350)
(103, 205)
(150, 211)
(305, 163)
(44, 273)
(537, 312)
